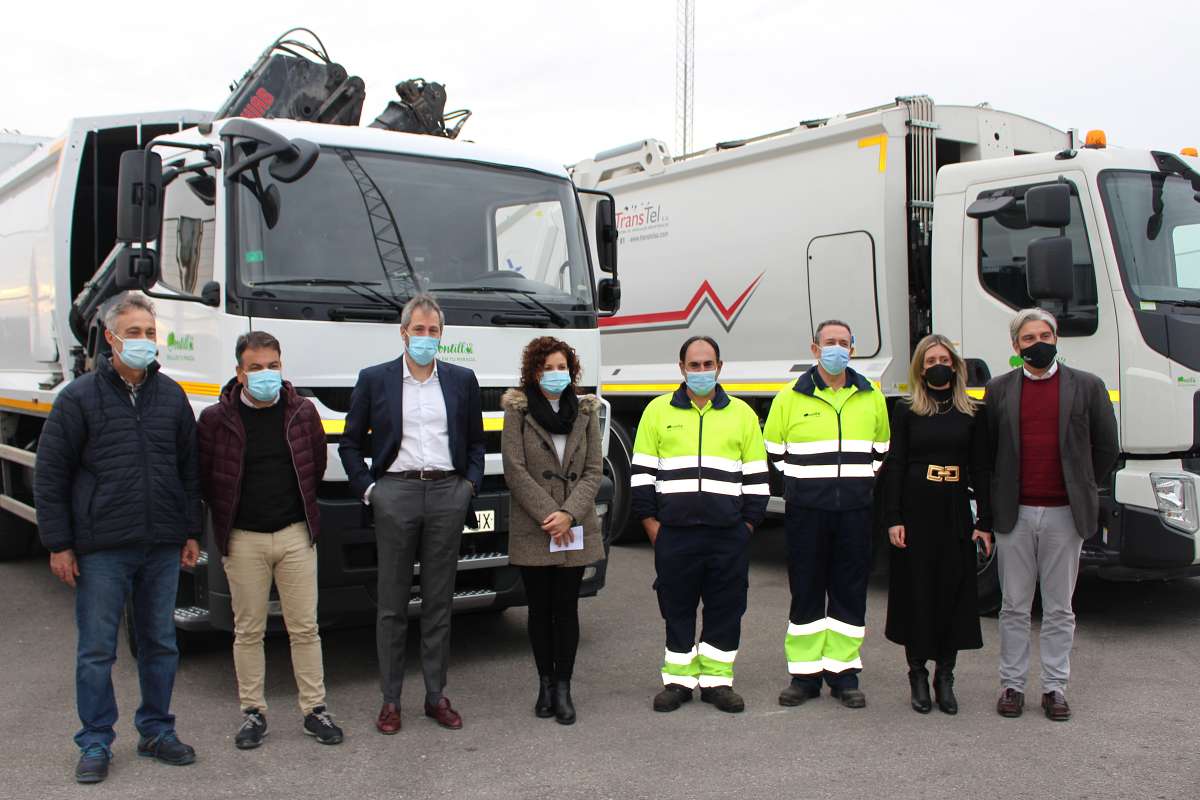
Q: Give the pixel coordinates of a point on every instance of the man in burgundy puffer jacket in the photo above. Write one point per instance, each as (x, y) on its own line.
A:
(262, 457)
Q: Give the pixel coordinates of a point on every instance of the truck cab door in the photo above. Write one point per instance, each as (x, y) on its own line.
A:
(994, 283)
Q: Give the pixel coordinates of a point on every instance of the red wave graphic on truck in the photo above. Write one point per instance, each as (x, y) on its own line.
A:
(667, 320)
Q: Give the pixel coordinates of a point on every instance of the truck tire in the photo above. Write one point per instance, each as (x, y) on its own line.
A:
(618, 466)
(987, 581)
(16, 536)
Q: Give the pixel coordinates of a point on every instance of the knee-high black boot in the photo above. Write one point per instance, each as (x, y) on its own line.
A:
(918, 679)
(943, 684)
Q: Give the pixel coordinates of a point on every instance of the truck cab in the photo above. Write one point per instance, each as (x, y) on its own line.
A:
(1131, 315)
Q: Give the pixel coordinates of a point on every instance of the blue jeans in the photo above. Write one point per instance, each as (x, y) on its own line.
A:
(150, 574)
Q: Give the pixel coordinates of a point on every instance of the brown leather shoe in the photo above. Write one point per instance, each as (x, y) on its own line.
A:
(389, 719)
(1011, 703)
(1055, 705)
(445, 716)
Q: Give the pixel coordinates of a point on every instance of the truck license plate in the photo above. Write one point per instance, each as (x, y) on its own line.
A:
(487, 522)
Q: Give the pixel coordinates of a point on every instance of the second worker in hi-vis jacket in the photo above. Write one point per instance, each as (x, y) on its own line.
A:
(700, 487)
(828, 434)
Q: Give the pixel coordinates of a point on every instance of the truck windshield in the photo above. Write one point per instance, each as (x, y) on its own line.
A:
(1155, 221)
(398, 224)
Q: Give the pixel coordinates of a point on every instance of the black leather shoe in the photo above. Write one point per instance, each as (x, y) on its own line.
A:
(672, 697)
(166, 748)
(723, 698)
(943, 690)
(93, 764)
(795, 694)
(918, 679)
(851, 698)
(544, 706)
(564, 706)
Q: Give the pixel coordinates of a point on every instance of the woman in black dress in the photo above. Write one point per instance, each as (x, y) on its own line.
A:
(939, 448)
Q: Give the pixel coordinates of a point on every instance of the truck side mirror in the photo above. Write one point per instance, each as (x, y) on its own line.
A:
(1049, 206)
(1050, 268)
(139, 196)
(210, 293)
(608, 294)
(136, 269)
(606, 236)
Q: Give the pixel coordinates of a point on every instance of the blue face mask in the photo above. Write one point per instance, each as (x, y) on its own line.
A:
(422, 349)
(834, 359)
(137, 353)
(264, 385)
(702, 383)
(555, 381)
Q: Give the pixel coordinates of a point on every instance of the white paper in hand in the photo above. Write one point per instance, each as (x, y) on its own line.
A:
(576, 541)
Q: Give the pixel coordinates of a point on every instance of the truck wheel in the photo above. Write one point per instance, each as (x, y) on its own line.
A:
(16, 536)
(617, 465)
(987, 580)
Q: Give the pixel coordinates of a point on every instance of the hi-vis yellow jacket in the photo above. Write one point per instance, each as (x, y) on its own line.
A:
(828, 445)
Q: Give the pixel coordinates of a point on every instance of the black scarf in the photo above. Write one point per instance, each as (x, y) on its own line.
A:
(568, 409)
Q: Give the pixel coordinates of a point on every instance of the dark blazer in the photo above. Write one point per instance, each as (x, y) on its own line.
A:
(111, 473)
(1087, 439)
(376, 408)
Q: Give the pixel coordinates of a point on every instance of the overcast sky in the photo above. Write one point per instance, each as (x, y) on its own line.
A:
(566, 79)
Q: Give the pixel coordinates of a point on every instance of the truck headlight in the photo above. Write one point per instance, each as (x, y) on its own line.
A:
(1176, 497)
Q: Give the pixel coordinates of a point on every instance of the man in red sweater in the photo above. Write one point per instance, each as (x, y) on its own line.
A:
(1054, 436)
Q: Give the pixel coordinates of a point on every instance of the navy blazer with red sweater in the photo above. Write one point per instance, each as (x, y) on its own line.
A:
(223, 452)
(377, 408)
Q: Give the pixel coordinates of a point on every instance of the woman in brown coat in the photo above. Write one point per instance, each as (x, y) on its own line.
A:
(553, 466)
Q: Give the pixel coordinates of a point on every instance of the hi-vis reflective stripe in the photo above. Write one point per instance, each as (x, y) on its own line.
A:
(706, 650)
(643, 460)
(756, 488)
(775, 448)
(691, 462)
(683, 485)
(754, 467)
(686, 681)
(1114, 395)
(844, 628)
(816, 626)
(823, 665)
(201, 389)
(682, 659)
(833, 665)
(709, 681)
(819, 471)
(641, 479)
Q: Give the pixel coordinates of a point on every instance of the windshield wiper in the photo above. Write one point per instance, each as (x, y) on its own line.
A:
(555, 317)
(364, 289)
(1182, 303)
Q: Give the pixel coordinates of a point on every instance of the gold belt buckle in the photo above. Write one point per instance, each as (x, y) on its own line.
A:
(939, 474)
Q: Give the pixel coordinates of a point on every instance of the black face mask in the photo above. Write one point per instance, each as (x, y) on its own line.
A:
(939, 375)
(1039, 355)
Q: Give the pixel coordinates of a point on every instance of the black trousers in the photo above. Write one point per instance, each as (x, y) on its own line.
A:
(553, 595)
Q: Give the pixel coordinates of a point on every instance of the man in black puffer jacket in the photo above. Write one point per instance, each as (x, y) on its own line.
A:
(118, 501)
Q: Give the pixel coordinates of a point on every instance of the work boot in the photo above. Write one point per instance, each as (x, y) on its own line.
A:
(723, 698)
(918, 679)
(943, 686)
(254, 728)
(1011, 703)
(564, 706)
(544, 705)
(796, 693)
(672, 697)
(851, 698)
(93, 764)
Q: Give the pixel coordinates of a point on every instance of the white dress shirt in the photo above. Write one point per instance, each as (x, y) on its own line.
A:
(425, 433)
(1047, 375)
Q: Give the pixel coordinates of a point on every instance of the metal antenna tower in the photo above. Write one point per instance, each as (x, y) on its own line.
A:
(685, 73)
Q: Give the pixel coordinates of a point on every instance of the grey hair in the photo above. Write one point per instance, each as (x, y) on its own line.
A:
(125, 301)
(825, 324)
(424, 301)
(1028, 315)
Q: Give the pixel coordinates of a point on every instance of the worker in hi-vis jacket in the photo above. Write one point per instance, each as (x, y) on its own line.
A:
(828, 434)
(700, 486)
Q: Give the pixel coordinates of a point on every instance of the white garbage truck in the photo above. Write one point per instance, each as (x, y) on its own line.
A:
(317, 233)
(910, 218)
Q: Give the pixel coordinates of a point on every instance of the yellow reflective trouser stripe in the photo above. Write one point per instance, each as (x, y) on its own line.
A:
(681, 668)
(824, 645)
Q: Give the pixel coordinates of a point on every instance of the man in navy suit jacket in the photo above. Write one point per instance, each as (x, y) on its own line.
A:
(426, 447)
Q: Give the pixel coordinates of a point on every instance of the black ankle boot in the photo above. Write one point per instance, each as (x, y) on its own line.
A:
(943, 687)
(918, 679)
(564, 707)
(544, 707)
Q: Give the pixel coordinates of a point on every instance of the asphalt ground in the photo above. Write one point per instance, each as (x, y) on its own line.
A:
(1134, 695)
